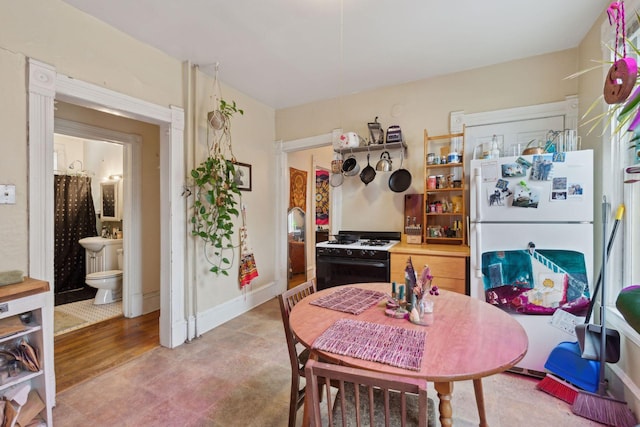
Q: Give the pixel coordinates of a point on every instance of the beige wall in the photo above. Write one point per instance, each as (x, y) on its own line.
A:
(13, 162)
(420, 105)
(253, 136)
(84, 48)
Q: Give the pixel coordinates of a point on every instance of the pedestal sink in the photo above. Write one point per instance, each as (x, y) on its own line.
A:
(96, 243)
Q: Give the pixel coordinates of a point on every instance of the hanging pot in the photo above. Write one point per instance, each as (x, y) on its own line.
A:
(368, 173)
(336, 179)
(384, 164)
(216, 119)
(350, 166)
(400, 180)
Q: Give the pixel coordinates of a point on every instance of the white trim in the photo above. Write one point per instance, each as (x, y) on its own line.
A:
(132, 217)
(567, 108)
(44, 84)
(222, 313)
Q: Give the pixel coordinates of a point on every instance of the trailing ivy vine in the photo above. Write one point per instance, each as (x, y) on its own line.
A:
(216, 191)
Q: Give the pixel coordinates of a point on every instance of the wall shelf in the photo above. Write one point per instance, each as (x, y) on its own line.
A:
(373, 147)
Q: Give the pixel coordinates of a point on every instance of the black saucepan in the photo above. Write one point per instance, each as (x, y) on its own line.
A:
(368, 173)
(400, 180)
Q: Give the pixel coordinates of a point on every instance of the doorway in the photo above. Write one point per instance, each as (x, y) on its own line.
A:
(45, 85)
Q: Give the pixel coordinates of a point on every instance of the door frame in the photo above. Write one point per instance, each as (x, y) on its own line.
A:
(45, 85)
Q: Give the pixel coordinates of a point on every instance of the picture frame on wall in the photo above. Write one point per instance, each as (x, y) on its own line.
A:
(243, 176)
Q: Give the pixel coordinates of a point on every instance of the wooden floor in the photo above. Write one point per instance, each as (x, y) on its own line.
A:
(87, 352)
(296, 279)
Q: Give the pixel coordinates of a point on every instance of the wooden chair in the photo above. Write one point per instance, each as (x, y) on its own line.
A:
(298, 358)
(397, 401)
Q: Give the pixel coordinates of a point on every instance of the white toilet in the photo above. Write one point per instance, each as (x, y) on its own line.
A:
(108, 283)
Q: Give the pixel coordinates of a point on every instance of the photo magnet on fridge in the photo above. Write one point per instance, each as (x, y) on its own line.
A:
(542, 169)
(524, 162)
(526, 197)
(511, 170)
(575, 191)
(558, 157)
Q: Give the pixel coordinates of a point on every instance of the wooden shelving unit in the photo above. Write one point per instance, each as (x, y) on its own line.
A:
(444, 191)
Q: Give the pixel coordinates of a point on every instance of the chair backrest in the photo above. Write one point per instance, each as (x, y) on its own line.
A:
(398, 401)
(288, 300)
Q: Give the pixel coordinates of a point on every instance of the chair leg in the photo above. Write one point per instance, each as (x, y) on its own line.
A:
(293, 401)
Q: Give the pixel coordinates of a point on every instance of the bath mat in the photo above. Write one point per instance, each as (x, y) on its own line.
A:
(65, 322)
(349, 300)
(391, 345)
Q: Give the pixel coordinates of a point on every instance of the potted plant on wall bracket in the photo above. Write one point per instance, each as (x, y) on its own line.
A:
(216, 191)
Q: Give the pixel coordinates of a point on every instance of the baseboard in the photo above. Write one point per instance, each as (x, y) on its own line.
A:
(151, 302)
(222, 313)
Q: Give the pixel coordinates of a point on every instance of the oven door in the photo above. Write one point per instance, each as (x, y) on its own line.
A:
(335, 271)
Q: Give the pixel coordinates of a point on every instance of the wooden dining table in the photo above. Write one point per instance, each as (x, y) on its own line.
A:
(468, 340)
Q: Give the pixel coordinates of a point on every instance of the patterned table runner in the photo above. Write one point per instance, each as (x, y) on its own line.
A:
(391, 345)
(349, 300)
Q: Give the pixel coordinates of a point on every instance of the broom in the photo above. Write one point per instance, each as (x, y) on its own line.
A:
(599, 407)
(552, 384)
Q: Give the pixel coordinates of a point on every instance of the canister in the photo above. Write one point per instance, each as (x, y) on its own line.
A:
(440, 182)
(431, 158)
(453, 158)
(431, 182)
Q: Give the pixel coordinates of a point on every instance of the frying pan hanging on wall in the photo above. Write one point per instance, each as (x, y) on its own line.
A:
(400, 180)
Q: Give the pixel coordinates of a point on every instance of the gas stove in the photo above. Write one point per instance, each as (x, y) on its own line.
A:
(363, 240)
(355, 257)
(362, 244)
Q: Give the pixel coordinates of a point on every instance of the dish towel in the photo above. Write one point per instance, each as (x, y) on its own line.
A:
(248, 270)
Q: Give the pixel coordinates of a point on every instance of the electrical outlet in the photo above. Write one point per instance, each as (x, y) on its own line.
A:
(7, 194)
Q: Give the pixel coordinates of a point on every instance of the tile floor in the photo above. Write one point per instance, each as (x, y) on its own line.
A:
(88, 312)
(239, 375)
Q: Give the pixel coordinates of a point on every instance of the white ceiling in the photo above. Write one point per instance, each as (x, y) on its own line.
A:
(289, 52)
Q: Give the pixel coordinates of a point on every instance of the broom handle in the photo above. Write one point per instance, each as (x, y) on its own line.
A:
(612, 237)
(603, 335)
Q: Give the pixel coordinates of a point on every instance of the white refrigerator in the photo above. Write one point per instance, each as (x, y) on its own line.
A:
(531, 240)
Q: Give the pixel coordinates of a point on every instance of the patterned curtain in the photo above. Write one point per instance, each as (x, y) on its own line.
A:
(75, 218)
(298, 189)
(322, 197)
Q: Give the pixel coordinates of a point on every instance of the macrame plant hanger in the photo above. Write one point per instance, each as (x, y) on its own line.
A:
(622, 75)
(219, 143)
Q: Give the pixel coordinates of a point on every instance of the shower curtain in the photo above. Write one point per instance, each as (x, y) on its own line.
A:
(75, 218)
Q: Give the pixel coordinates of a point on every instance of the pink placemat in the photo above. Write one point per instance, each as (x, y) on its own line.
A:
(349, 300)
(387, 344)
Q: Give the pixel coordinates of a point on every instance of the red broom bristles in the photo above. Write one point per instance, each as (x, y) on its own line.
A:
(556, 387)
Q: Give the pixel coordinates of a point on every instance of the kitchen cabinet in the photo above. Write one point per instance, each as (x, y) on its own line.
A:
(32, 300)
(448, 263)
(444, 189)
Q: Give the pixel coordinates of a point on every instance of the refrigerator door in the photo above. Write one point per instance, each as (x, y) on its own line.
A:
(532, 268)
(534, 188)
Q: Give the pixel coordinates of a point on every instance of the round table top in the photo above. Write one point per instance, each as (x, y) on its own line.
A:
(469, 338)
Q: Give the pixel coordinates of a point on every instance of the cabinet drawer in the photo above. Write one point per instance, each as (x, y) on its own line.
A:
(454, 285)
(448, 272)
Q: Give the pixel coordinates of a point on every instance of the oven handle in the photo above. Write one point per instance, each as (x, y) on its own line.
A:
(351, 261)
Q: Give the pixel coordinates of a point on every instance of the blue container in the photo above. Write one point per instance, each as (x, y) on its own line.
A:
(566, 362)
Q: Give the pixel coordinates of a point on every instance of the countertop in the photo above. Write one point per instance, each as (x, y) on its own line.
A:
(19, 290)
(431, 249)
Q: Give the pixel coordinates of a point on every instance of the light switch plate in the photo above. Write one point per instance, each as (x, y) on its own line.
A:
(7, 194)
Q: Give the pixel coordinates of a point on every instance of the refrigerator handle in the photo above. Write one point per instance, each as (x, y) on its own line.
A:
(477, 186)
(478, 249)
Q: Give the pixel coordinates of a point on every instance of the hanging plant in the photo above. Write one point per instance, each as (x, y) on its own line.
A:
(216, 191)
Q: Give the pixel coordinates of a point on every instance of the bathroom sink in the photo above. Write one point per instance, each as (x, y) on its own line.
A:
(96, 243)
